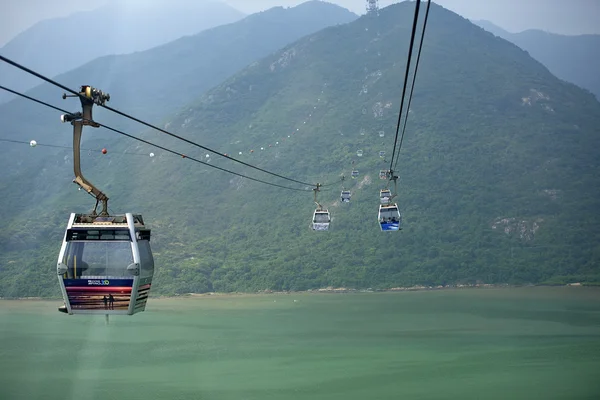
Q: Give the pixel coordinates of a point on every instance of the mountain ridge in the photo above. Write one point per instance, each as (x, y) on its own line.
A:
(47, 45)
(573, 58)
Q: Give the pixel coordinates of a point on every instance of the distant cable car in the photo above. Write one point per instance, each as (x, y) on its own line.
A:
(345, 196)
(381, 154)
(389, 217)
(381, 133)
(321, 217)
(321, 220)
(385, 196)
(359, 153)
(383, 174)
(105, 265)
(354, 174)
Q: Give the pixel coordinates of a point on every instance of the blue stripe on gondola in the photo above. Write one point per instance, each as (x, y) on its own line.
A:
(107, 282)
(394, 226)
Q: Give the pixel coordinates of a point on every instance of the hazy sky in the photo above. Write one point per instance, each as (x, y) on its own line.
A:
(569, 17)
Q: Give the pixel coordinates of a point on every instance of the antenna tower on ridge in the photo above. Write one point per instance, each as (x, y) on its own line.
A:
(372, 6)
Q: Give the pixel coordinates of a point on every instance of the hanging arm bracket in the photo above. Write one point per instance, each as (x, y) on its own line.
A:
(88, 96)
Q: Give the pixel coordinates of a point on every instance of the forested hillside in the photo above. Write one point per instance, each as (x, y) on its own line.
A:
(499, 174)
(150, 84)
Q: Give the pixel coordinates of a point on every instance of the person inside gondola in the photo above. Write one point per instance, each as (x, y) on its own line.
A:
(111, 301)
(105, 300)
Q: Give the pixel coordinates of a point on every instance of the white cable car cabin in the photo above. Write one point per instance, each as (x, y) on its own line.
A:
(382, 154)
(354, 174)
(389, 217)
(345, 196)
(105, 265)
(381, 133)
(321, 220)
(359, 153)
(385, 196)
(383, 174)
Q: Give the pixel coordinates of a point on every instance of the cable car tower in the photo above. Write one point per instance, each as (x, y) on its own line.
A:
(373, 7)
(105, 265)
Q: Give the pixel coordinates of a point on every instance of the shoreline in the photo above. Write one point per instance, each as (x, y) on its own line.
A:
(331, 290)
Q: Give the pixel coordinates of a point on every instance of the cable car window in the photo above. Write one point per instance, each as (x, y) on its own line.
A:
(321, 217)
(98, 234)
(98, 258)
(146, 258)
(143, 234)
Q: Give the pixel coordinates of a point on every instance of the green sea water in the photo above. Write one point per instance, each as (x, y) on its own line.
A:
(513, 343)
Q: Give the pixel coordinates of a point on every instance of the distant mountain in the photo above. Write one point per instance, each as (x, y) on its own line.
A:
(492, 28)
(58, 45)
(498, 171)
(154, 83)
(575, 59)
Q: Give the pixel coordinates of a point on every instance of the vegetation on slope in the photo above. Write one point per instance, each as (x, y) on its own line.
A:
(498, 171)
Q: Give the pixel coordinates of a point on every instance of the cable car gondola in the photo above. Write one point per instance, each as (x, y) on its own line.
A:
(321, 218)
(389, 217)
(354, 174)
(383, 174)
(345, 196)
(359, 153)
(385, 196)
(105, 264)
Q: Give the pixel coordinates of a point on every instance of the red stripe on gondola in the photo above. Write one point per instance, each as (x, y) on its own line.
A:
(98, 288)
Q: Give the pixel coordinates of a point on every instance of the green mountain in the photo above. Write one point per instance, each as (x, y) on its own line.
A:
(57, 45)
(150, 84)
(572, 58)
(499, 177)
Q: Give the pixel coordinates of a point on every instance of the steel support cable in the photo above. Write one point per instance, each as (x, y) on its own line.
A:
(67, 147)
(413, 82)
(410, 50)
(38, 75)
(41, 144)
(154, 145)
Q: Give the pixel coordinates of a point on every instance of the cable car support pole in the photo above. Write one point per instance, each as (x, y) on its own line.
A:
(88, 96)
(315, 190)
(394, 177)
